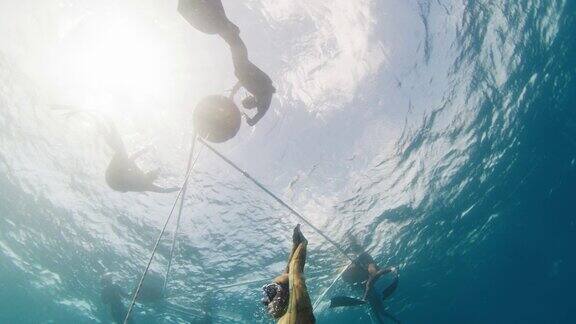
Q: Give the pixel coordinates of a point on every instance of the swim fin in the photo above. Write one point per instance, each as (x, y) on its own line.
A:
(342, 301)
(390, 289)
(383, 314)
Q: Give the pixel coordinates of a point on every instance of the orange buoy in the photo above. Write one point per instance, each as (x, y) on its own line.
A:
(217, 119)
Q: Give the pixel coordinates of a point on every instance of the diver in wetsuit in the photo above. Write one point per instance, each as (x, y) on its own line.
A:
(210, 17)
(364, 271)
(253, 79)
(123, 174)
(112, 295)
(286, 299)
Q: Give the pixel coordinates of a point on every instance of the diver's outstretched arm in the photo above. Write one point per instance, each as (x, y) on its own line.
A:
(297, 239)
(238, 50)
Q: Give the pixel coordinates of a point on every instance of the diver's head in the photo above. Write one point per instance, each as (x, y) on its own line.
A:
(275, 298)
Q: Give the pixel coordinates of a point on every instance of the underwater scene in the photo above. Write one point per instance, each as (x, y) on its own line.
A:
(287, 161)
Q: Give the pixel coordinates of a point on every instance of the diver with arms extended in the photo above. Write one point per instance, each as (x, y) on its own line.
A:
(286, 298)
(365, 273)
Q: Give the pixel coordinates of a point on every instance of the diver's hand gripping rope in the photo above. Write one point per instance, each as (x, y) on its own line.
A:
(280, 201)
(180, 194)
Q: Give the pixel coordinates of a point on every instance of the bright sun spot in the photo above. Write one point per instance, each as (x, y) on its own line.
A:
(115, 57)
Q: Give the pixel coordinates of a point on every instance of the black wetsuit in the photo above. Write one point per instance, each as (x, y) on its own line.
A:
(357, 276)
(209, 17)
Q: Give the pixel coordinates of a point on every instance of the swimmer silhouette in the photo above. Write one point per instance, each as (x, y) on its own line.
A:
(123, 174)
(364, 271)
(209, 17)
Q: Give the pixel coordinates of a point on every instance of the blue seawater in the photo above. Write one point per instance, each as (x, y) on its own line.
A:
(454, 160)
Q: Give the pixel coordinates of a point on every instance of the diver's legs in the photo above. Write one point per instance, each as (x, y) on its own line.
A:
(390, 289)
(230, 33)
(238, 48)
(207, 16)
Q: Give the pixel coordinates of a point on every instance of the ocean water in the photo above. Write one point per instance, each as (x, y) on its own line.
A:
(439, 136)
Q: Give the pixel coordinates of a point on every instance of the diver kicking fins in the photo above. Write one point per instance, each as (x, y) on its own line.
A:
(344, 301)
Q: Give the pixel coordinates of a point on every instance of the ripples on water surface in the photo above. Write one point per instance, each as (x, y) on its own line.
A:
(438, 135)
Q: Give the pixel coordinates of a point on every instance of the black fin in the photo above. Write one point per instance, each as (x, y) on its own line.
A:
(342, 301)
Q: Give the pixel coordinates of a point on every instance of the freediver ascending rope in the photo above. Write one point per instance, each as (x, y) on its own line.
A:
(209, 16)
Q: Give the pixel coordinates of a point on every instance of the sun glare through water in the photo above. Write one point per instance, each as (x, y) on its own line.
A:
(114, 60)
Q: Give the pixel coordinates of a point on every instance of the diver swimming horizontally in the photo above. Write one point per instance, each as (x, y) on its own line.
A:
(286, 298)
(365, 272)
(210, 17)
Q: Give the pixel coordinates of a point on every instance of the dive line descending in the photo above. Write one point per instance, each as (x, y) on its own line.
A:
(280, 201)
